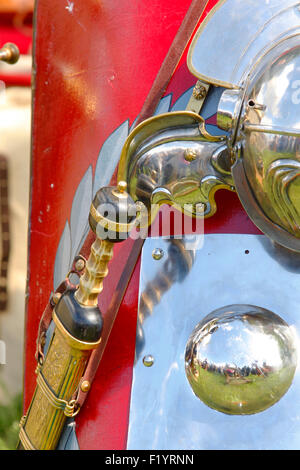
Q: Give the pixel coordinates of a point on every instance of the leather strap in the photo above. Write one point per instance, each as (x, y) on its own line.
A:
(158, 88)
(66, 284)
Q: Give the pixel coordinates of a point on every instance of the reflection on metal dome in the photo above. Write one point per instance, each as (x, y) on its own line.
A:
(270, 146)
(241, 359)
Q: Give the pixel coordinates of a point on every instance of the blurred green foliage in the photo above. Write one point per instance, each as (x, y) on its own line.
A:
(10, 415)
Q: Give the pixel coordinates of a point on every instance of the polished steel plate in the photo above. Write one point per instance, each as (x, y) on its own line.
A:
(176, 292)
(235, 33)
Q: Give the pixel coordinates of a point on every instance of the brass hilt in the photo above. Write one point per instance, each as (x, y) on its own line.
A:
(9, 53)
(109, 229)
(78, 327)
(91, 282)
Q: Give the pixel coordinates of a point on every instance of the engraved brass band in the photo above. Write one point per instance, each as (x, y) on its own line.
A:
(116, 227)
(27, 445)
(57, 382)
(67, 407)
(73, 342)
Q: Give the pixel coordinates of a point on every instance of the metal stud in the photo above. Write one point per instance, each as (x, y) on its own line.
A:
(80, 264)
(56, 297)
(148, 360)
(157, 254)
(85, 386)
(200, 208)
(122, 186)
(199, 91)
(9, 53)
(190, 155)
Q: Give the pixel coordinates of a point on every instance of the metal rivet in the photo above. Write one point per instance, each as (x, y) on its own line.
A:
(200, 208)
(157, 254)
(190, 155)
(85, 386)
(9, 53)
(56, 297)
(122, 186)
(140, 207)
(199, 92)
(80, 265)
(148, 360)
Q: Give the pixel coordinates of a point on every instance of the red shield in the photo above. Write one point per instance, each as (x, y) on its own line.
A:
(94, 64)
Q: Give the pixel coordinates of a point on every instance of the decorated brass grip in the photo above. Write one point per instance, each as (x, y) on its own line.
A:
(91, 283)
(57, 381)
(78, 327)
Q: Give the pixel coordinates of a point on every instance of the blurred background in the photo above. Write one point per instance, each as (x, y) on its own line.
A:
(15, 122)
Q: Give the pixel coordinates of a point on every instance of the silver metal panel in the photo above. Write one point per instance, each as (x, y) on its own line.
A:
(229, 269)
(235, 33)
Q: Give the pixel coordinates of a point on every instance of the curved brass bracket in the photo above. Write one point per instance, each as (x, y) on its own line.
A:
(171, 158)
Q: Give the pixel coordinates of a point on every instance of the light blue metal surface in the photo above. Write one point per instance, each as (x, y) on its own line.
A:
(68, 440)
(229, 269)
(255, 26)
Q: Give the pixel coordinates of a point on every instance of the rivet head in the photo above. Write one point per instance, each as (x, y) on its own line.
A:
(80, 265)
(85, 386)
(9, 53)
(199, 92)
(157, 254)
(148, 360)
(200, 208)
(122, 186)
(140, 206)
(56, 297)
(190, 155)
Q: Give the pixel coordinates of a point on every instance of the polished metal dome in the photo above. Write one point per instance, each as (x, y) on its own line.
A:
(241, 359)
(267, 143)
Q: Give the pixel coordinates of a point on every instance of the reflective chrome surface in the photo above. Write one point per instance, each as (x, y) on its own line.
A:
(269, 132)
(172, 158)
(254, 27)
(176, 266)
(229, 109)
(154, 163)
(228, 269)
(241, 359)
